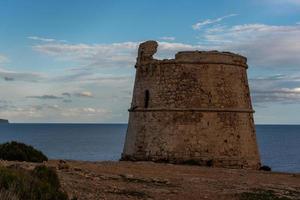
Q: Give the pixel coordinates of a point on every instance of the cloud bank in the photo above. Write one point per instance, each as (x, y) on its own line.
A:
(102, 74)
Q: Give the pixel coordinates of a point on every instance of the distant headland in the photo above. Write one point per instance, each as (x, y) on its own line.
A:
(4, 121)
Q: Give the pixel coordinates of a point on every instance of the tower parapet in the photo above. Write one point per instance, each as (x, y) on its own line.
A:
(194, 107)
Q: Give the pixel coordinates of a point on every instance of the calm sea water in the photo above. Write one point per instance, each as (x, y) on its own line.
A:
(279, 144)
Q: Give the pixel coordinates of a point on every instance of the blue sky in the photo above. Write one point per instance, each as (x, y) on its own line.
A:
(73, 61)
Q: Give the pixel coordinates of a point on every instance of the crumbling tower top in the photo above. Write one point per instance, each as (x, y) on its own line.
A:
(149, 48)
(146, 51)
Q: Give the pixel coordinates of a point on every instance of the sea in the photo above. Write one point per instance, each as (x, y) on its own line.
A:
(279, 145)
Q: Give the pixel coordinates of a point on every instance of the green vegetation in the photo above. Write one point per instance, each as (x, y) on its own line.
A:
(265, 168)
(20, 152)
(16, 183)
(42, 183)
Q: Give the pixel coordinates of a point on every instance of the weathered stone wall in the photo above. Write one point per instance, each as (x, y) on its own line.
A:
(197, 107)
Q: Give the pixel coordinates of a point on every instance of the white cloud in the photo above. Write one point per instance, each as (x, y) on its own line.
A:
(104, 55)
(75, 112)
(264, 45)
(54, 107)
(84, 94)
(54, 113)
(277, 89)
(281, 95)
(13, 112)
(9, 75)
(168, 38)
(111, 81)
(42, 39)
(3, 59)
(107, 55)
(201, 24)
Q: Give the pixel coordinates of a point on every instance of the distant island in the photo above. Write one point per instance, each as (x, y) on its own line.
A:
(4, 121)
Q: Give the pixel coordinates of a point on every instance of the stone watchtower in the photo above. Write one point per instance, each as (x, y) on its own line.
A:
(194, 108)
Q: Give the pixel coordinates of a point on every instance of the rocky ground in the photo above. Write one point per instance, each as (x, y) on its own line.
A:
(147, 180)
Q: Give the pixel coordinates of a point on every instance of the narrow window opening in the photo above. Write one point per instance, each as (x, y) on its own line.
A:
(147, 96)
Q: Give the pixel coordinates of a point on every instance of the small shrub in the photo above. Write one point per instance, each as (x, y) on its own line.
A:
(47, 175)
(190, 162)
(42, 183)
(265, 168)
(20, 152)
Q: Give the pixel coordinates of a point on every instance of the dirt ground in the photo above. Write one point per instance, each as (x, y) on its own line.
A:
(147, 180)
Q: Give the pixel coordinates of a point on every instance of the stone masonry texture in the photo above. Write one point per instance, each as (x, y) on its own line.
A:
(195, 108)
